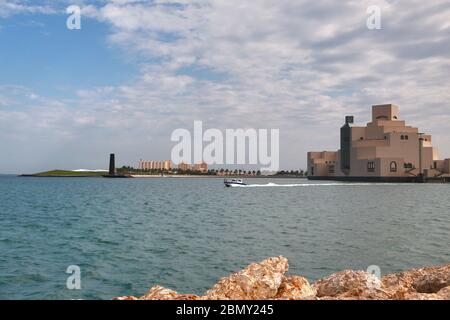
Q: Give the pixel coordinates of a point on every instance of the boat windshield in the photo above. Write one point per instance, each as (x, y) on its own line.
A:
(233, 181)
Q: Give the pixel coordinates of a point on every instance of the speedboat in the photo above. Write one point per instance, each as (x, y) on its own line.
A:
(234, 182)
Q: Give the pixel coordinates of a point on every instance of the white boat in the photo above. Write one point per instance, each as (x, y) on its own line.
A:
(234, 182)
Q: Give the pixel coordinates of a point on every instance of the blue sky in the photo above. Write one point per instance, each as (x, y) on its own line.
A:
(139, 69)
(39, 53)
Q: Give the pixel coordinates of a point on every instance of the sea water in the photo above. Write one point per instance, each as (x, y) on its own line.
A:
(127, 235)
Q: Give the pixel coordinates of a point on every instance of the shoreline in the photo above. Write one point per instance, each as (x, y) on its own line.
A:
(145, 176)
(267, 280)
(217, 177)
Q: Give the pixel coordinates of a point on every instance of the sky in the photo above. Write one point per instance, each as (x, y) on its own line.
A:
(139, 69)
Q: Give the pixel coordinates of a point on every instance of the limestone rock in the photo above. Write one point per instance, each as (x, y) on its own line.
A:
(399, 284)
(256, 282)
(161, 293)
(295, 288)
(434, 281)
(403, 285)
(126, 298)
(423, 296)
(267, 280)
(444, 293)
(351, 284)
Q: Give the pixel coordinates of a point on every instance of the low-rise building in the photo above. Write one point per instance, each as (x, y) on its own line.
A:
(166, 165)
(198, 167)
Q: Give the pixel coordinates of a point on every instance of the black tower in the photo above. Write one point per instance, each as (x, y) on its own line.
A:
(112, 164)
(346, 144)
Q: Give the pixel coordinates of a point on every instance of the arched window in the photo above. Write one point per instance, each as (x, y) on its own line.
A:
(402, 137)
(406, 137)
(393, 166)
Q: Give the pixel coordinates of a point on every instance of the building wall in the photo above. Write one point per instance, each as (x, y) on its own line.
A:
(155, 165)
(447, 166)
(323, 163)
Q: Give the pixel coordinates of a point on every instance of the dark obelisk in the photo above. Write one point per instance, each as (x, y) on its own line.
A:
(112, 164)
(112, 169)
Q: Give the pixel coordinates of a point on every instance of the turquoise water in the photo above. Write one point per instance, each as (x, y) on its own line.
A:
(129, 234)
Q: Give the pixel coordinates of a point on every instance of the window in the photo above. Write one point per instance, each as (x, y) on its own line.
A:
(406, 137)
(402, 137)
(331, 169)
(408, 166)
(393, 166)
(370, 166)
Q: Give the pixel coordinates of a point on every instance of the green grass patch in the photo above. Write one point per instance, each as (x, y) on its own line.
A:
(56, 173)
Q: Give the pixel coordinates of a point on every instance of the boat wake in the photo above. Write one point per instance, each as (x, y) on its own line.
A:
(271, 184)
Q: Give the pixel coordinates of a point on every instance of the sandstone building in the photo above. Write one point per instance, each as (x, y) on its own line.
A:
(386, 149)
(165, 165)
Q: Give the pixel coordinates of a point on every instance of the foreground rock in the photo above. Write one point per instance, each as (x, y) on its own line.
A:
(161, 293)
(352, 285)
(419, 284)
(295, 288)
(257, 281)
(267, 280)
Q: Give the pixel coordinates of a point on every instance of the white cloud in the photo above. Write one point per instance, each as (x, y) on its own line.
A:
(10, 7)
(299, 66)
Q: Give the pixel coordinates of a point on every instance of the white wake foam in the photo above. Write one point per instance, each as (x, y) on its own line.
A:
(271, 184)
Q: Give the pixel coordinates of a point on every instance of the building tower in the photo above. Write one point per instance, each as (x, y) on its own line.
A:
(346, 144)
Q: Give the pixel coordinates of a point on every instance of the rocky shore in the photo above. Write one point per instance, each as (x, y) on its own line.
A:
(267, 280)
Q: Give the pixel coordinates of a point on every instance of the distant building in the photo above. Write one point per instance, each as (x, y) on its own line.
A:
(166, 165)
(199, 167)
(184, 166)
(385, 149)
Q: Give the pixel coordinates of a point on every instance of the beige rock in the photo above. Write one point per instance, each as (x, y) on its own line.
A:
(444, 293)
(295, 288)
(402, 285)
(161, 293)
(399, 285)
(423, 296)
(350, 283)
(126, 298)
(266, 280)
(434, 281)
(256, 282)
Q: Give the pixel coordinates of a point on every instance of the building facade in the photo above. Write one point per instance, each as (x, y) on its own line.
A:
(165, 165)
(385, 149)
(199, 167)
